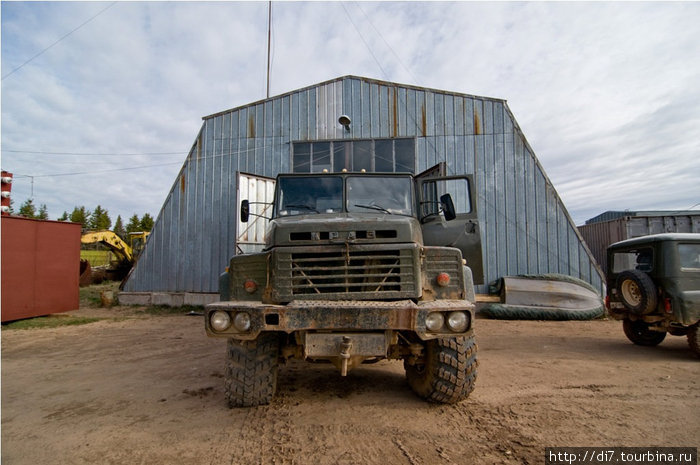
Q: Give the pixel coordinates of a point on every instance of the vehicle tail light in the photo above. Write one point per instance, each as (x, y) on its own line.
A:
(667, 304)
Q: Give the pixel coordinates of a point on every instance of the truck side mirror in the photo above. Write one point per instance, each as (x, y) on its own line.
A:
(245, 211)
(448, 207)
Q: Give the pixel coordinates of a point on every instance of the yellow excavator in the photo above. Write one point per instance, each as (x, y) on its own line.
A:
(126, 255)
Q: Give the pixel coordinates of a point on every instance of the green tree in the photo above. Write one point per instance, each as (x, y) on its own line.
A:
(119, 227)
(80, 215)
(100, 219)
(63, 217)
(27, 209)
(146, 222)
(134, 224)
(43, 212)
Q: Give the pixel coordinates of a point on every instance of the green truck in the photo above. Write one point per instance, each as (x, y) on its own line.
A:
(357, 267)
(653, 286)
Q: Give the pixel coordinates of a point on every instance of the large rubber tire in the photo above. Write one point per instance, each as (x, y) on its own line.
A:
(449, 372)
(522, 312)
(637, 291)
(639, 333)
(251, 371)
(694, 339)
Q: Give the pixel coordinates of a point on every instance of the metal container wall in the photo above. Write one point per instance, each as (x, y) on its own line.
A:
(40, 267)
(525, 226)
(600, 234)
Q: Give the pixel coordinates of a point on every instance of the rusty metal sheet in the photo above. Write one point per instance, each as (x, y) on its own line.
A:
(360, 344)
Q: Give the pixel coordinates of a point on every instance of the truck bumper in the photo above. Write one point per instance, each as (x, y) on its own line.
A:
(340, 316)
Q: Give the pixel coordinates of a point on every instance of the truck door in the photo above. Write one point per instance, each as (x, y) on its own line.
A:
(260, 192)
(448, 215)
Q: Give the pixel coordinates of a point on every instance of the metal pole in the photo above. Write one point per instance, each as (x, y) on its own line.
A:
(269, 35)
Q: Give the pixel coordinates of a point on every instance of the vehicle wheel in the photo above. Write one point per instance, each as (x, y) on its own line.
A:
(251, 371)
(637, 291)
(694, 339)
(639, 333)
(449, 370)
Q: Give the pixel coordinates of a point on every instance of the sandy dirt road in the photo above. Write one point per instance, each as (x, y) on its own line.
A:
(149, 390)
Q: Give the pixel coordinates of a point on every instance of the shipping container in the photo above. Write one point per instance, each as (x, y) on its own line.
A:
(40, 267)
(610, 227)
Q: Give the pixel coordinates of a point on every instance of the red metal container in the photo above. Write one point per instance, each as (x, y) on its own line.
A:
(40, 267)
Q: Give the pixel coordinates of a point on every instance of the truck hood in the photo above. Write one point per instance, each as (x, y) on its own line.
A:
(341, 228)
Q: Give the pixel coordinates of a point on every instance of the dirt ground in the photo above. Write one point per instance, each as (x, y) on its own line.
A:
(147, 389)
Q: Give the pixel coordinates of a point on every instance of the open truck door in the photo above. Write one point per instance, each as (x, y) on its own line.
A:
(448, 215)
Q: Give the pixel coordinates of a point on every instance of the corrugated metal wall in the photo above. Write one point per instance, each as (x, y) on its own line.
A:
(525, 226)
(599, 235)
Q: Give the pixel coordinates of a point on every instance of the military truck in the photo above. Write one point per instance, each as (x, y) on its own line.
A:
(653, 286)
(357, 267)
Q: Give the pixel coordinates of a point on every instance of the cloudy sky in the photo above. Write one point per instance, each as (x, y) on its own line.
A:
(607, 94)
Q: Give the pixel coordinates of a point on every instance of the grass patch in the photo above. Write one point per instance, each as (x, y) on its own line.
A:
(165, 310)
(90, 295)
(50, 321)
(96, 257)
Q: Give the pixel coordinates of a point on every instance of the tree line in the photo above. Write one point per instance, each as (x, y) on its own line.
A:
(94, 220)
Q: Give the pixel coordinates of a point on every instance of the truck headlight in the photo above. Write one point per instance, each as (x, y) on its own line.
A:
(434, 321)
(458, 321)
(241, 321)
(220, 320)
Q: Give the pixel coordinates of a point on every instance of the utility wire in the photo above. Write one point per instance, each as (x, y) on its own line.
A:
(59, 40)
(40, 152)
(98, 171)
(386, 43)
(386, 76)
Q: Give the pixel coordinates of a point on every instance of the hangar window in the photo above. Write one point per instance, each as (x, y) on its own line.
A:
(374, 155)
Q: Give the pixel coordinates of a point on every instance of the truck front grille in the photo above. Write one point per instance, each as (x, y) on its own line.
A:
(349, 273)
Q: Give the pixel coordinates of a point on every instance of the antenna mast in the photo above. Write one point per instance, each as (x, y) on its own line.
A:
(269, 35)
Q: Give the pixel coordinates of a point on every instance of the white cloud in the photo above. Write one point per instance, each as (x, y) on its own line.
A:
(606, 93)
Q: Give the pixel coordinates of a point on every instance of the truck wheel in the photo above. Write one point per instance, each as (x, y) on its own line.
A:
(449, 370)
(637, 291)
(694, 339)
(639, 333)
(251, 371)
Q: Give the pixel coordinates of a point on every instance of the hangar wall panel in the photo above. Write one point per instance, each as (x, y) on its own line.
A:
(525, 226)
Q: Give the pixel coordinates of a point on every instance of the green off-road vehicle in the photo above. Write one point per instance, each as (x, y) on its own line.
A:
(654, 287)
(357, 267)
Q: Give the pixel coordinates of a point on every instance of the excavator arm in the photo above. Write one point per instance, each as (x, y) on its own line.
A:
(120, 248)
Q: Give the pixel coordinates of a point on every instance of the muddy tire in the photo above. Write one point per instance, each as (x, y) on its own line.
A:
(637, 291)
(694, 339)
(639, 333)
(251, 371)
(449, 371)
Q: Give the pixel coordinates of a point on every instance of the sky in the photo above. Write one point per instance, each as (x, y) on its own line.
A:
(101, 101)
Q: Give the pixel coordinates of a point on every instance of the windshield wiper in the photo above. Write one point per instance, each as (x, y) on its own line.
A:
(305, 207)
(374, 207)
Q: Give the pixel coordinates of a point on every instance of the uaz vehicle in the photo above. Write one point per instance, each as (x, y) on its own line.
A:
(347, 276)
(654, 287)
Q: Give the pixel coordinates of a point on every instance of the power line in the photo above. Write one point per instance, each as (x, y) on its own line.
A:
(59, 40)
(386, 76)
(98, 171)
(41, 152)
(386, 43)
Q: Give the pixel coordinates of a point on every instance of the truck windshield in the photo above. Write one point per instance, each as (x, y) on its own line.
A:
(304, 195)
(390, 195)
